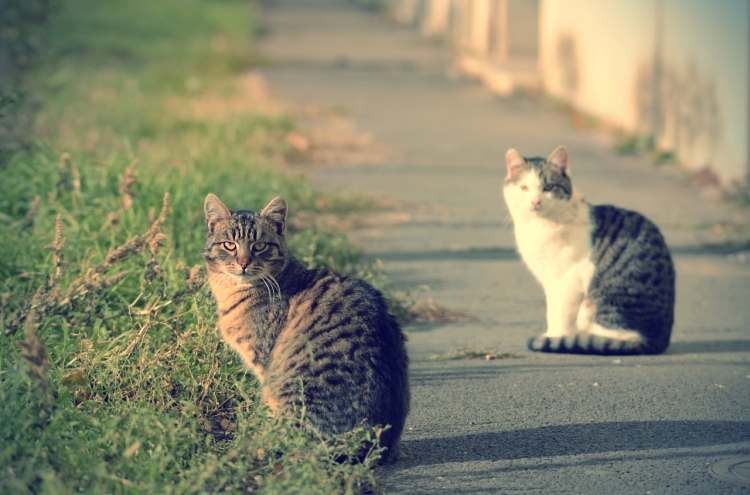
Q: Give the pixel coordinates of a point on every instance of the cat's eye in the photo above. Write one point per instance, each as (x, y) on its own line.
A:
(230, 246)
(548, 187)
(259, 246)
(524, 188)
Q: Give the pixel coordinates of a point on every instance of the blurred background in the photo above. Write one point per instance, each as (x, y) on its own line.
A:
(117, 117)
(674, 72)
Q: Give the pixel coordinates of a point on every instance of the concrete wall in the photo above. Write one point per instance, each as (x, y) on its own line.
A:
(675, 69)
(494, 28)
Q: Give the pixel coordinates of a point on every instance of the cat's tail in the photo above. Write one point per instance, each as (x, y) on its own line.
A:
(586, 343)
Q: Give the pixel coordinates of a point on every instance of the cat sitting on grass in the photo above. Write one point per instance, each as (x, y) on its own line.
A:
(314, 338)
(607, 274)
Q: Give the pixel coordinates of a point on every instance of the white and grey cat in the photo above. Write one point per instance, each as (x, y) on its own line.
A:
(607, 273)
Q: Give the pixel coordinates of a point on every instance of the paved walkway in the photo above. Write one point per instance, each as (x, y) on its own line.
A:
(536, 423)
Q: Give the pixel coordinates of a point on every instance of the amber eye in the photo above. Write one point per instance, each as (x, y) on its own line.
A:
(548, 187)
(524, 188)
(230, 246)
(259, 246)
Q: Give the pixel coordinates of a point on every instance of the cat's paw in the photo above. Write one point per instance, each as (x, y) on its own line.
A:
(566, 343)
(591, 344)
(540, 343)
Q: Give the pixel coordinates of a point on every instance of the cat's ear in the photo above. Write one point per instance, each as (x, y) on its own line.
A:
(215, 211)
(514, 161)
(275, 212)
(559, 159)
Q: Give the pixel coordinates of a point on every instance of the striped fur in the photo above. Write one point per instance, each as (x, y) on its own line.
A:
(314, 338)
(607, 273)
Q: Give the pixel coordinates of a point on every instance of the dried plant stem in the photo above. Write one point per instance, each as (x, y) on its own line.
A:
(34, 351)
(70, 178)
(127, 192)
(144, 328)
(127, 183)
(136, 243)
(50, 298)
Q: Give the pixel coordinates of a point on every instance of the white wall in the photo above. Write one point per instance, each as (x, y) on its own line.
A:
(677, 68)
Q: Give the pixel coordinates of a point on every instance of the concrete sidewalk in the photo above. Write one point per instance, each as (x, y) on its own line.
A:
(536, 423)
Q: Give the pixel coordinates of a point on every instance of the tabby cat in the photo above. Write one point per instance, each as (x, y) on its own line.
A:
(607, 274)
(314, 338)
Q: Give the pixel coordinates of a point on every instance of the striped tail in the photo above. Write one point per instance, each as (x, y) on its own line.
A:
(586, 343)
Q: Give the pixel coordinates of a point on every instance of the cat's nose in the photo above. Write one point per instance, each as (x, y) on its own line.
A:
(243, 263)
(535, 203)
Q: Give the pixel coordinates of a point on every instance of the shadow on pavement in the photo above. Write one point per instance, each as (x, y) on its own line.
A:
(709, 249)
(708, 346)
(471, 254)
(573, 440)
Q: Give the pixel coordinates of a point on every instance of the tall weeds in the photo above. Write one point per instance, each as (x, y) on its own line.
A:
(136, 375)
(112, 376)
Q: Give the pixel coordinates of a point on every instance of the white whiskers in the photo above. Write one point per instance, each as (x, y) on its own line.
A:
(273, 289)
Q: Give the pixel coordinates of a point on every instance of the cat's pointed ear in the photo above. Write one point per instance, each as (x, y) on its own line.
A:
(514, 161)
(559, 159)
(275, 212)
(215, 211)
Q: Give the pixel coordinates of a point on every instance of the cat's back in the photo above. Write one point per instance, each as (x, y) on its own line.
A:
(634, 280)
(620, 235)
(346, 351)
(327, 301)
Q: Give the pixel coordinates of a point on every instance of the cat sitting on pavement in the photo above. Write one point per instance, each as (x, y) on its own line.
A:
(607, 273)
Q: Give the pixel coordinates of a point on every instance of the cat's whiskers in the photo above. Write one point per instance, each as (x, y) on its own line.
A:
(274, 283)
(268, 287)
(273, 287)
(507, 221)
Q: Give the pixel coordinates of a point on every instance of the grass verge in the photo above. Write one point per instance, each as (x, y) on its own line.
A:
(112, 376)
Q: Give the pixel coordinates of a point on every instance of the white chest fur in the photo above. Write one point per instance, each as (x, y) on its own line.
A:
(551, 248)
(557, 249)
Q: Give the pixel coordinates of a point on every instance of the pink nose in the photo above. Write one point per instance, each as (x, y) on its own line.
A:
(243, 263)
(535, 203)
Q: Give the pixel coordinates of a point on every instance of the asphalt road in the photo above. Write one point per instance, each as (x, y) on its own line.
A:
(534, 423)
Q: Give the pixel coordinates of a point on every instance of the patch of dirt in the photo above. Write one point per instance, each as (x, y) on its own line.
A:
(429, 311)
(250, 95)
(321, 137)
(325, 138)
(471, 353)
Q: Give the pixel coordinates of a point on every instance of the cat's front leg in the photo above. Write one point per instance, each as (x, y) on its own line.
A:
(564, 298)
(563, 302)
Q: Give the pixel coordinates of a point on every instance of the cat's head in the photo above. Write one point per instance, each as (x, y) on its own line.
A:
(243, 247)
(535, 186)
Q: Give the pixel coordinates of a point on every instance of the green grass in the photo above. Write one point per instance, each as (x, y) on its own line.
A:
(634, 144)
(141, 396)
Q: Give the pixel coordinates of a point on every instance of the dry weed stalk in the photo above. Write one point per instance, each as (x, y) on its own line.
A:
(127, 192)
(49, 292)
(153, 271)
(194, 281)
(136, 243)
(34, 351)
(145, 327)
(50, 299)
(57, 246)
(127, 184)
(69, 178)
(430, 311)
